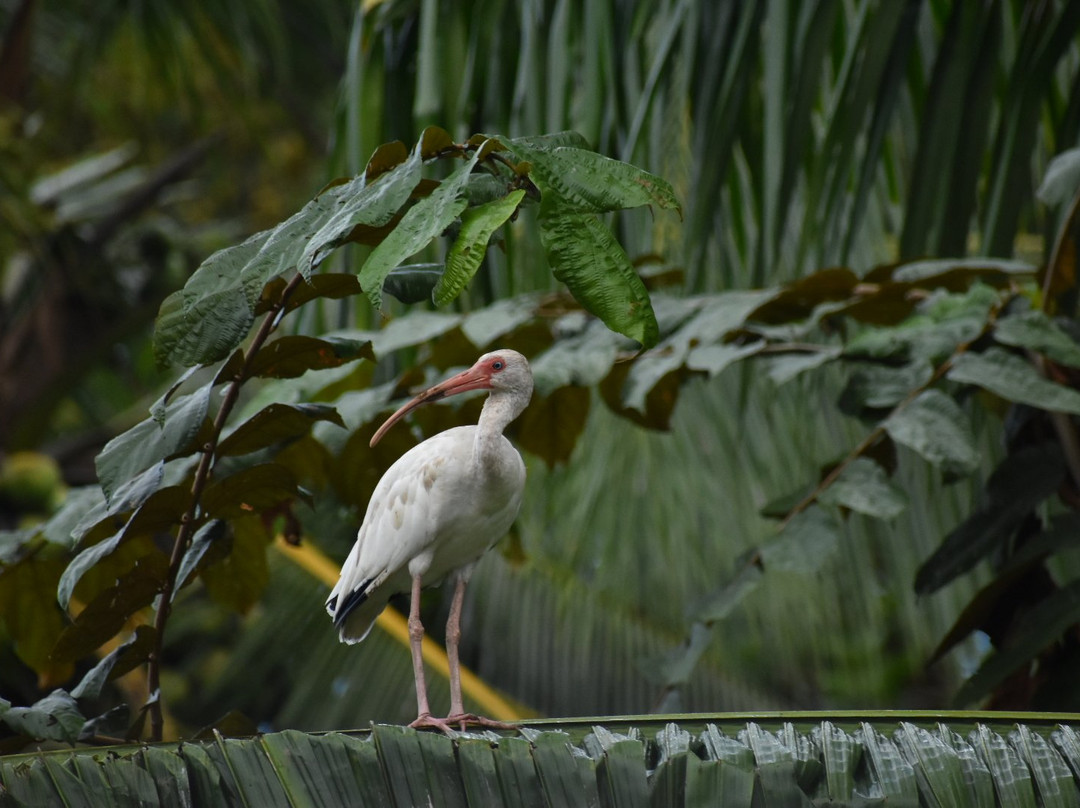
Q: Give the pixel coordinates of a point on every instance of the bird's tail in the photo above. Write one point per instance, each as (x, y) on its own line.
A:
(355, 614)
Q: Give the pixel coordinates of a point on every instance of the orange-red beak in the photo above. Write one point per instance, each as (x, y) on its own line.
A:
(475, 378)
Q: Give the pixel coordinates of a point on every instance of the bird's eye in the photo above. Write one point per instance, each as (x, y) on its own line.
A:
(497, 365)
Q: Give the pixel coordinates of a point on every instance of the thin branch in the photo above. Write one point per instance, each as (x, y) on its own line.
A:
(187, 522)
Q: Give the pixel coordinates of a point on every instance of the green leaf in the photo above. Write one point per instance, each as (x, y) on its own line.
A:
(275, 424)
(865, 487)
(586, 182)
(124, 658)
(585, 256)
(29, 612)
(1035, 331)
(159, 512)
(238, 582)
(107, 613)
(925, 273)
(55, 718)
(935, 427)
(467, 252)
(148, 443)
(1012, 778)
(1022, 481)
(1054, 779)
(1013, 378)
(877, 386)
(292, 356)
(893, 774)
(783, 369)
(413, 283)
(205, 538)
(937, 766)
(207, 328)
(364, 201)
(418, 227)
(251, 490)
(804, 545)
(1062, 178)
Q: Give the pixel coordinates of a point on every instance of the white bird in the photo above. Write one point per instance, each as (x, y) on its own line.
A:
(433, 514)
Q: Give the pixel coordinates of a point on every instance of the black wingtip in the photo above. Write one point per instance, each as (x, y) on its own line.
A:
(352, 601)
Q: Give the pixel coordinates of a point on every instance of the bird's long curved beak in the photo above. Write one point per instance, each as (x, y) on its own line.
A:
(475, 378)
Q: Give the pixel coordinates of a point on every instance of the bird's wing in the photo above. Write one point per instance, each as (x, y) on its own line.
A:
(399, 526)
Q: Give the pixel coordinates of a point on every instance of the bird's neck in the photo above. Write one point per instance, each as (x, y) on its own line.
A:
(499, 410)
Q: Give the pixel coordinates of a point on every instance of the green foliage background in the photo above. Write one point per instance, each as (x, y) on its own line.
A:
(798, 137)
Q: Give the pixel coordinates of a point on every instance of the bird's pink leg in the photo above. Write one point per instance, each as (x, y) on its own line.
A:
(453, 637)
(416, 642)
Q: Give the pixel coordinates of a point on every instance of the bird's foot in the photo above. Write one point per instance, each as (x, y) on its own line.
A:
(428, 721)
(464, 719)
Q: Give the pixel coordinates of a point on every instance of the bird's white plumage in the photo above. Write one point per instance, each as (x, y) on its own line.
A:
(442, 504)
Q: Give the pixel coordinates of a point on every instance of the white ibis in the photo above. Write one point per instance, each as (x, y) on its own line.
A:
(433, 514)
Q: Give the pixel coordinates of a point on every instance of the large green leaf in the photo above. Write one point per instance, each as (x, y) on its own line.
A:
(56, 717)
(418, 227)
(274, 424)
(1035, 331)
(585, 256)
(586, 182)
(477, 226)
(150, 442)
(291, 356)
(865, 487)
(934, 426)
(1007, 375)
(1022, 481)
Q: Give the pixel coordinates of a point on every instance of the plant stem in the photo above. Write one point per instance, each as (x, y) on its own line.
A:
(188, 520)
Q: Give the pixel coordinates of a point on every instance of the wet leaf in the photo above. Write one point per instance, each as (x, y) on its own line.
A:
(331, 285)
(584, 255)
(1062, 178)
(1013, 378)
(249, 491)
(934, 426)
(204, 539)
(423, 222)
(292, 356)
(148, 442)
(413, 283)
(797, 300)
(238, 581)
(55, 718)
(586, 182)
(468, 250)
(877, 387)
(865, 487)
(105, 615)
(30, 614)
(1022, 481)
(1035, 331)
(124, 658)
(275, 424)
(433, 140)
